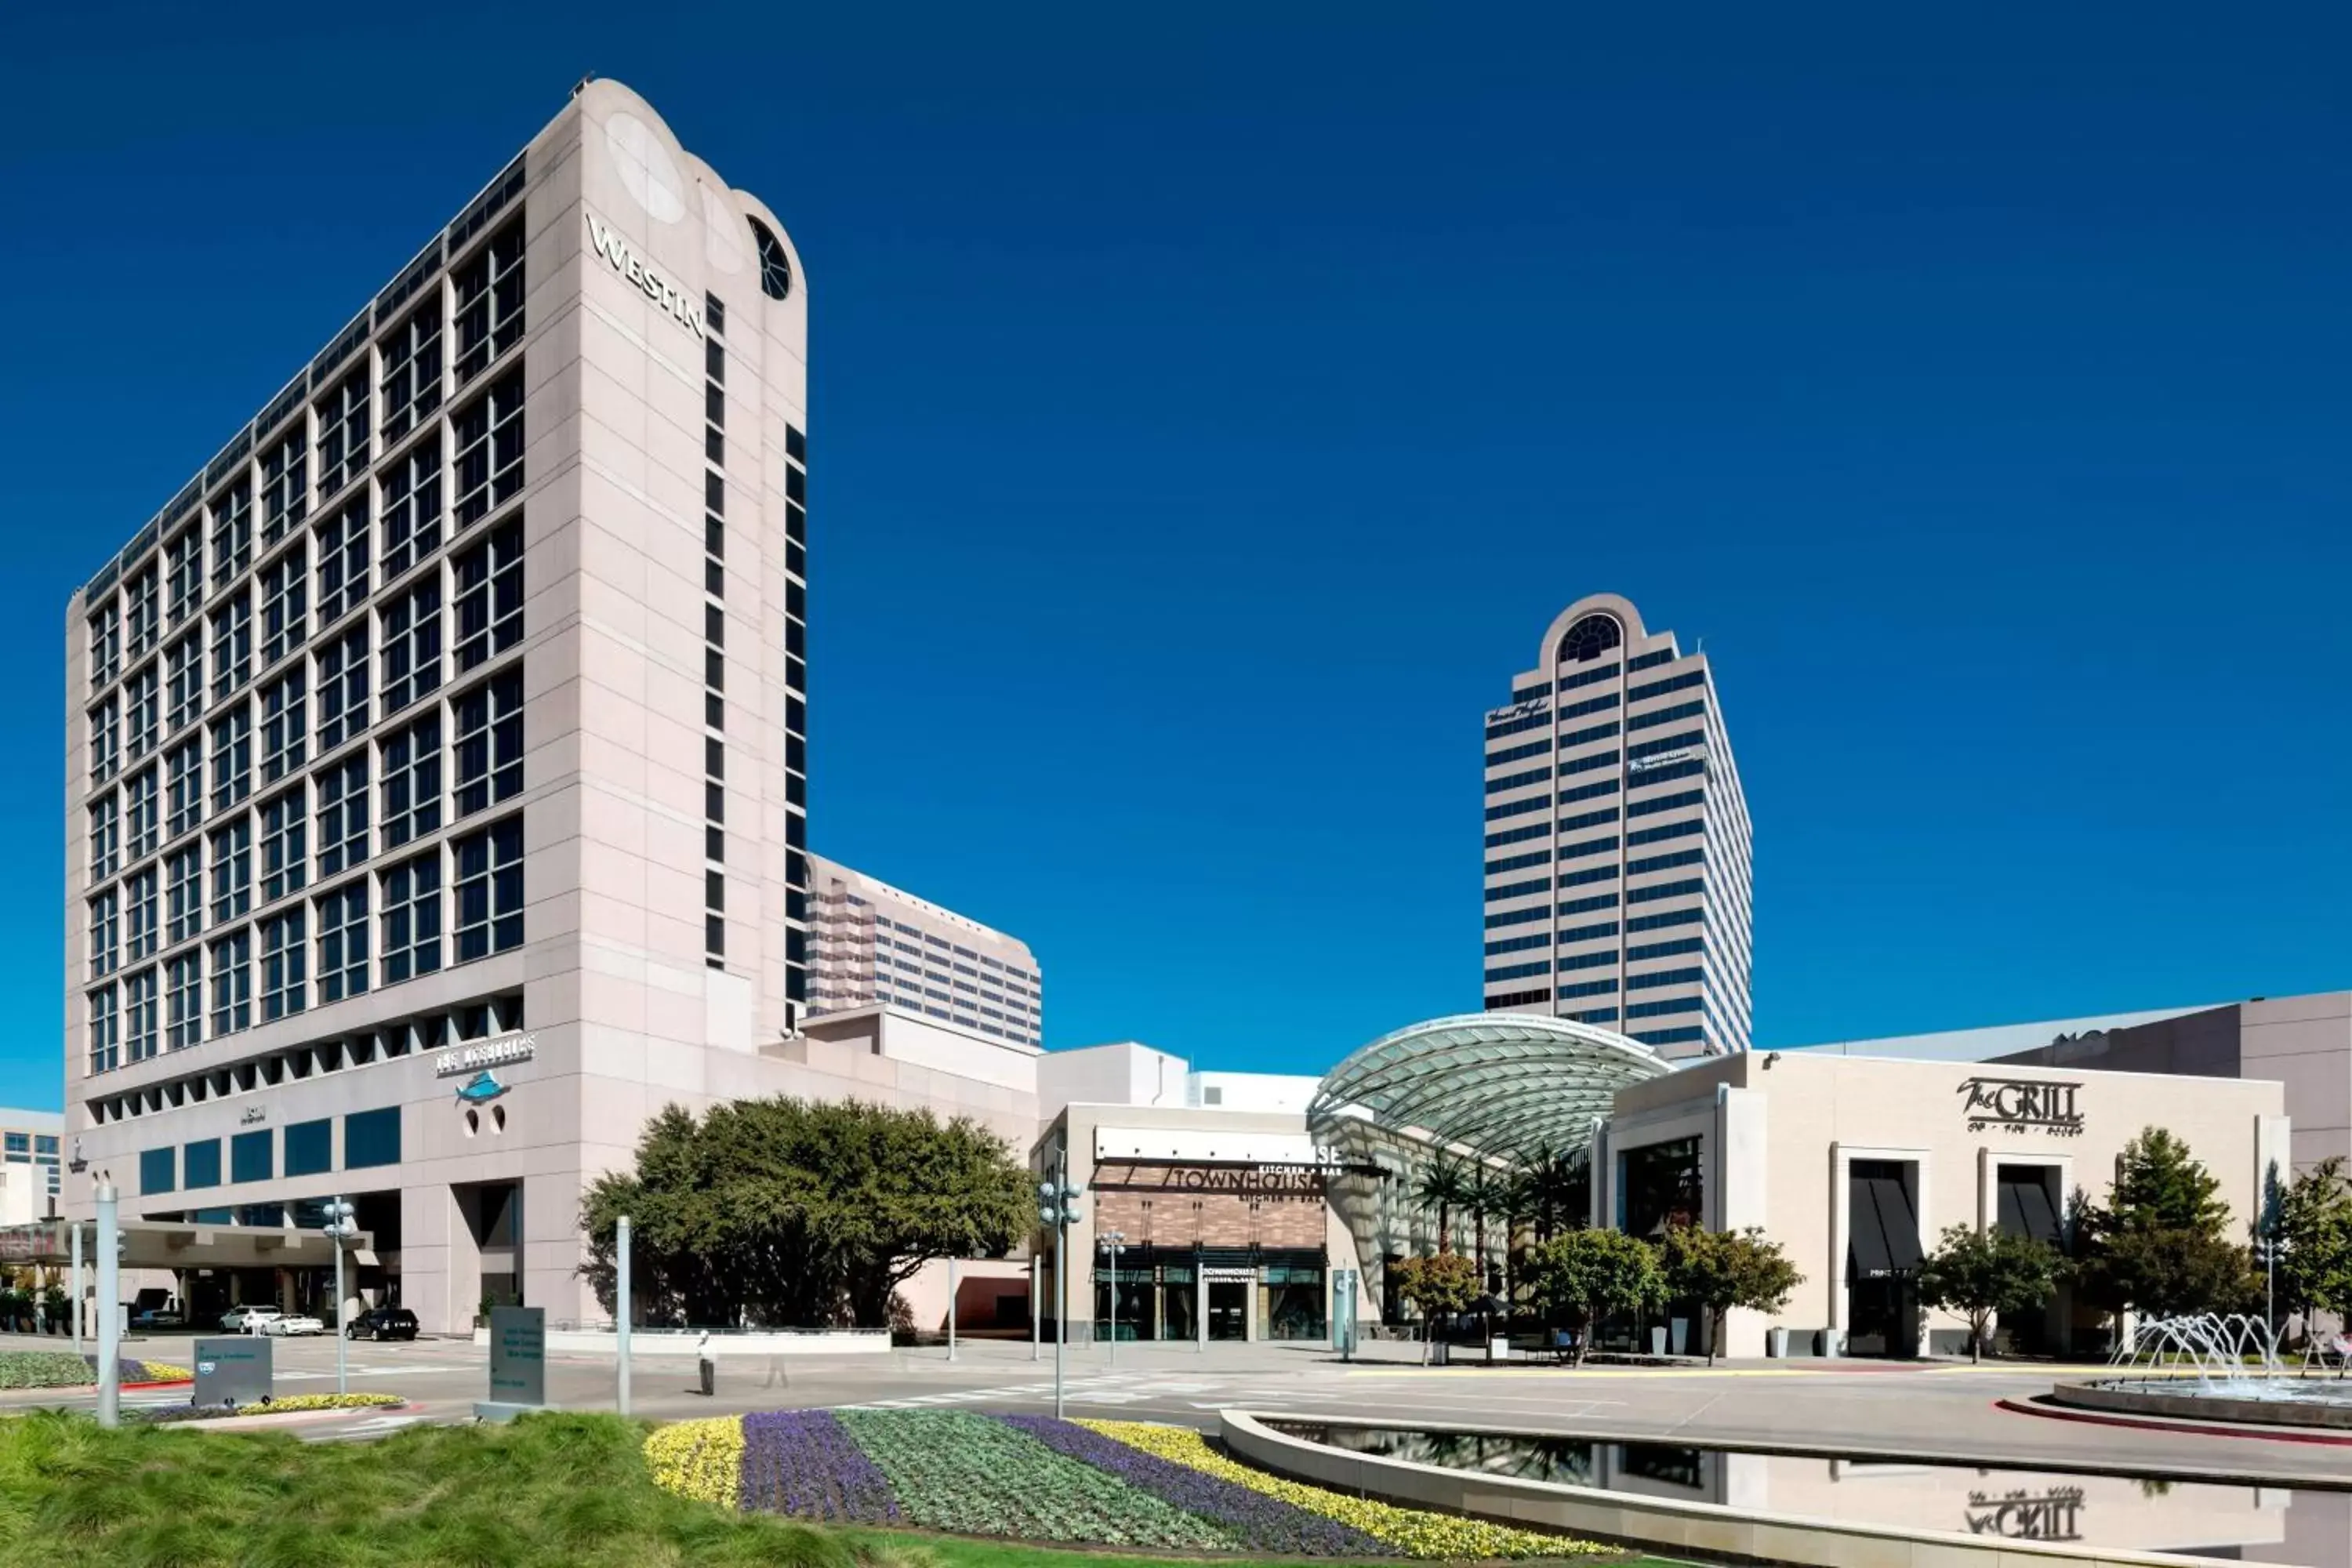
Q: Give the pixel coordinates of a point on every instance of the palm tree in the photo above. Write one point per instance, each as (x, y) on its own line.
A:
(1443, 1186)
(1489, 1197)
(1553, 1182)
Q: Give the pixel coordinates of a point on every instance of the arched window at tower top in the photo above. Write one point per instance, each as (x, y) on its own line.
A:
(1589, 637)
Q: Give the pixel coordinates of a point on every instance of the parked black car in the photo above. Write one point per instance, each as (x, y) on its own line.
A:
(382, 1323)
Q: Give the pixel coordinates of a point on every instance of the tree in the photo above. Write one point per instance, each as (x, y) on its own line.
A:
(1439, 1287)
(786, 1211)
(1489, 1197)
(2314, 1237)
(2159, 1244)
(1552, 1190)
(1720, 1269)
(1445, 1186)
(1978, 1273)
(1585, 1276)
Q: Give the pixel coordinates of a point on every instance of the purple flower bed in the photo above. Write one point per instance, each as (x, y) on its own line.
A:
(802, 1463)
(1263, 1522)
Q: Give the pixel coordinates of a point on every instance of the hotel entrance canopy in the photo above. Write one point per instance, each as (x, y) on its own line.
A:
(1509, 1086)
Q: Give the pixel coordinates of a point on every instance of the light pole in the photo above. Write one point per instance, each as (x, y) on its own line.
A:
(622, 1308)
(341, 1229)
(951, 1305)
(1057, 1206)
(109, 1315)
(1112, 1241)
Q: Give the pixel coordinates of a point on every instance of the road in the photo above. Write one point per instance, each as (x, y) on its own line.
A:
(1861, 1408)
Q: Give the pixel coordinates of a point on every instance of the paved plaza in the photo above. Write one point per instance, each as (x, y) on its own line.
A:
(1864, 1408)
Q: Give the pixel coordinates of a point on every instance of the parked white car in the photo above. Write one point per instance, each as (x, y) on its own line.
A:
(250, 1320)
(299, 1324)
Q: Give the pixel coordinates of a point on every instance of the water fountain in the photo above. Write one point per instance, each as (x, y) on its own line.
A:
(2218, 1367)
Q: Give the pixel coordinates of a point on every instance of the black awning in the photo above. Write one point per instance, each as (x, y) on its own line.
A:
(1881, 1232)
(2026, 1209)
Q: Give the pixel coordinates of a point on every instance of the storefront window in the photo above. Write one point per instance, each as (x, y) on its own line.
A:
(1662, 1188)
(1290, 1304)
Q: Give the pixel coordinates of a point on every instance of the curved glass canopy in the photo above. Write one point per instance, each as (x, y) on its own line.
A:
(1509, 1086)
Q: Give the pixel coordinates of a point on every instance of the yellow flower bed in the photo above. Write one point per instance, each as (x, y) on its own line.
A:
(323, 1402)
(166, 1371)
(1413, 1531)
(701, 1459)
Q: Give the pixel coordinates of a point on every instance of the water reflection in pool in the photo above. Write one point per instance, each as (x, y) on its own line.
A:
(2264, 1524)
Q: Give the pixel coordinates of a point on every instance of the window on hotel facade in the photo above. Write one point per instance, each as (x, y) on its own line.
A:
(141, 1024)
(183, 1000)
(490, 891)
(105, 839)
(489, 303)
(285, 960)
(232, 746)
(105, 644)
(184, 566)
(489, 449)
(344, 554)
(232, 512)
(412, 644)
(139, 825)
(184, 893)
(490, 742)
(342, 688)
(412, 919)
(285, 485)
(371, 1138)
(412, 507)
(251, 1156)
(105, 933)
(105, 736)
(142, 621)
(309, 1147)
(141, 912)
(285, 854)
(140, 706)
(232, 960)
(285, 605)
(284, 719)
(184, 666)
(343, 433)
(490, 596)
(231, 636)
(343, 814)
(412, 369)
(200, 1163)
(343, 941)
(411, 780)
(105, 1031)
(232, 857)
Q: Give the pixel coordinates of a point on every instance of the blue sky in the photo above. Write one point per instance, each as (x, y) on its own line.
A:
(1211, 411)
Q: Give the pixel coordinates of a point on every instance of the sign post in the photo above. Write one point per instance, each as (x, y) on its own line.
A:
(518, 1363)
(234, 1371)
(75, 1227)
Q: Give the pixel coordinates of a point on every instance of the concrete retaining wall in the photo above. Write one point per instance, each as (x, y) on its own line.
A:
(1708, 1528)
(2107, 1397)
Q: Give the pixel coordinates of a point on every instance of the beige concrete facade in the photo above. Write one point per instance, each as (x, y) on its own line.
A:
(869, 942)
(559, 465)
(1619, 856)
(1778, 1137)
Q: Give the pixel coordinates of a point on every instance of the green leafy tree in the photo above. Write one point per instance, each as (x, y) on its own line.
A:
(1585, 1276)
(1441, 1286)
(795, 1212)
(1488, 1198)
(1978, 1273)
(2313, 1234)
(1443, 1186)
(1720, 1269)
(2159, 1245)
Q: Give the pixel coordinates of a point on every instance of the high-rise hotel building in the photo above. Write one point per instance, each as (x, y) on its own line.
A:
(1618, 853)
(446, 732)
(872, 944)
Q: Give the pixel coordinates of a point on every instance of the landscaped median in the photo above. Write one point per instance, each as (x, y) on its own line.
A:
(292, 1405)
(63, 1369)
(1027, 1477)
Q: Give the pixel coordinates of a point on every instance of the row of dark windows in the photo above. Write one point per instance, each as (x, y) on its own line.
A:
(371, 1140)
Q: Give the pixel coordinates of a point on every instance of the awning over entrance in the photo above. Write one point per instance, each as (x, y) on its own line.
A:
(2026, 1209)
(149, 1244)
(1881, 1230)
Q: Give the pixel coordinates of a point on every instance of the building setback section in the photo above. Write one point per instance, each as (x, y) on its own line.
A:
(460, 701)
(870, 942)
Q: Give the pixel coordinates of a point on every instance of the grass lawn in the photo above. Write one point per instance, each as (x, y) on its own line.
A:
(554, 1489)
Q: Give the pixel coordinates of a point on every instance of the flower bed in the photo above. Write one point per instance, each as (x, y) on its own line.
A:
(291, 1404)
(1037, 1478)
(63, 1369)
(1410, 1531)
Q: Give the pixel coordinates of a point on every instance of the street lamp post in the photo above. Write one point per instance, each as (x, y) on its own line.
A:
(1058, 1208)
(1113, 1242)
(109, 1315)
(342, 1228)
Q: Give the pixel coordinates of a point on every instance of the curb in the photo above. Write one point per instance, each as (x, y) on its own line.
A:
(2199, 1429)
(293, 1417)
